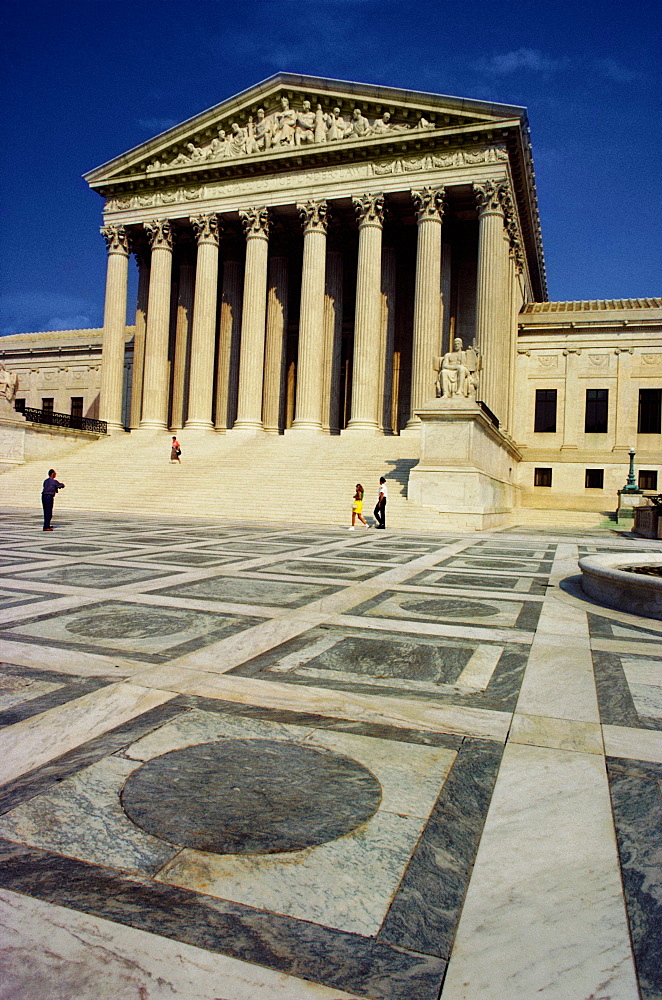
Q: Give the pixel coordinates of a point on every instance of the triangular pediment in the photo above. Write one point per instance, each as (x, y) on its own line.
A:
(289, 115)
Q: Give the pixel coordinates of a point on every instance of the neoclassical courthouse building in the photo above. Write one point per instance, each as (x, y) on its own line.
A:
(309, 253)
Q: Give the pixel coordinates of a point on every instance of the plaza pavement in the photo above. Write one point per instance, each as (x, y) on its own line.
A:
(248, 761)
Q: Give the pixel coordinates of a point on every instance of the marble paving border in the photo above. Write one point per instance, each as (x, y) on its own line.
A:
(407, 957)
(635, 796)
(615, 700)
(70, 686)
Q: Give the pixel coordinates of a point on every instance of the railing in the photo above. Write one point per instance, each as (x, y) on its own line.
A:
(64, 420)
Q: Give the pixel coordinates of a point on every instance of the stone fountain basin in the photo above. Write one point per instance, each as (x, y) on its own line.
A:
(605, 578)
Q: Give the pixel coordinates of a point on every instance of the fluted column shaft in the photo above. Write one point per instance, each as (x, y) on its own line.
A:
(203, 334)
(274, 346)
(387, 339)
(492, 293)
(311, 318)
(367, 320)
(429, 205)
(229, 331)
(143, 262)
(333, 303)
(155, 380)
(114, 326)
(182, 343)
(251, 357)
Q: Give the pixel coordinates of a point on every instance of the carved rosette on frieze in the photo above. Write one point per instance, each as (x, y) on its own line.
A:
(206, 228)
(369, 209)
(314, 216)
(255, 222)
(117, 239)
(429, 204)
(159, 233)
(490, 197)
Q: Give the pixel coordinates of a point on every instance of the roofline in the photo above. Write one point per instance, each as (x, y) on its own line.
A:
(376, 91)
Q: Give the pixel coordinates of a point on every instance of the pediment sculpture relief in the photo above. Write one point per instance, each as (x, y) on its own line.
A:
(287, 127)
(457, 372)
(8, 384)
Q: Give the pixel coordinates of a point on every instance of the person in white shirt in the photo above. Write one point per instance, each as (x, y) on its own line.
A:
(380, 507)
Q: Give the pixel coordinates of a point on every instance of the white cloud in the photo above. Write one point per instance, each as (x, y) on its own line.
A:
(157, 125)
(518, 60)
(25, 312)
(614, 70)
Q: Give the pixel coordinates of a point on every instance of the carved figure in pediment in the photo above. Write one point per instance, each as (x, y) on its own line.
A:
(304, 130)
(194, 152)
(320, 125)
(382, 125)
(359, 125)
(457, 372)
(218, 147)
(237, 140)
(286, 120)
(424, 123)
(8, 383)
(337, 126)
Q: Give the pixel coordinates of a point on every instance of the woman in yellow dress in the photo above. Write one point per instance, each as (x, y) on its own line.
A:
(357, 508)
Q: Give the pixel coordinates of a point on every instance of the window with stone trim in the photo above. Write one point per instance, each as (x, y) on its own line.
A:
(596, 412)
(77, 406)
(594, 479)
(545, 418)
(647, 479)
(19, 404)
(542, 477)
(47, 404)
(650, 411)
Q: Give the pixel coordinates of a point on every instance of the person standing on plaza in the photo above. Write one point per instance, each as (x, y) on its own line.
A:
(357, 508)
(49, 489)
(175, 451)
(380, 507)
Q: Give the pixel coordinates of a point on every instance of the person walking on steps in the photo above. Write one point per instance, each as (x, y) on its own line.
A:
(380, 507)
(175, 451)
(357, 508)
(48, 491)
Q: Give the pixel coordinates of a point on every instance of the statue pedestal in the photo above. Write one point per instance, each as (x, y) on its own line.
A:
(467, 467)
(12, 436)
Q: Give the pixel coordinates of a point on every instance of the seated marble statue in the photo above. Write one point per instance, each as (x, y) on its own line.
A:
(285, 123)
(304, 130)
(8, 383)
(457, 372)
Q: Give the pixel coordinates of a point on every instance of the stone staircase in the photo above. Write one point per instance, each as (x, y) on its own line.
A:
(534, 517)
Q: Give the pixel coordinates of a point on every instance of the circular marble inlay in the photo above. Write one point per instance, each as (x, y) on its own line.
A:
(450, 606)
(128, 624)
(250, 796)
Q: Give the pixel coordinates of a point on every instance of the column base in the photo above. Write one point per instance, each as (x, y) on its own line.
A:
(198, 425)
(302, 427)
(362, 427)
(247, 428)
(114, 428)
(153, 425)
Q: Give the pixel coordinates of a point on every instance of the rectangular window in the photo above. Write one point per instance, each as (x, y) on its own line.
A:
(545, 421)
(542, 477)
(77, 406)
(19, 404)
(650, 411)
(594, 479)
(597, 403)
(647, 479)
(47, 405)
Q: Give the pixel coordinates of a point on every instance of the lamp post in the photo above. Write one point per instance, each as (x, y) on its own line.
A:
(631, 483)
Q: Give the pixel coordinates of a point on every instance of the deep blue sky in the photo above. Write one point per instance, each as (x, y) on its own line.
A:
(85, 81)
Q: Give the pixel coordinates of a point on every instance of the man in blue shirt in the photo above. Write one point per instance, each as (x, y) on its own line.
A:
(50, 488)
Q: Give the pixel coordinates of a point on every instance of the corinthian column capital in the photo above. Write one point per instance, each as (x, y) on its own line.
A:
(490, 197)
(369, 210)
(314, 216)
(206, 228)
(429, 204)
(159, 234)
(117, 239)
(255, 222)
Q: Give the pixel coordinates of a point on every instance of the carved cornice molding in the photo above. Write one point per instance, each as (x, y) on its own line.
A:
(206, 228)
(117, 239)
(159, 233)
(490, 197)
(369, 209)
(429, 204)
(314, 216)
(255, 221)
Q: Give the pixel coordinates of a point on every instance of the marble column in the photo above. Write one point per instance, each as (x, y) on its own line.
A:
(492, 282)
(387, 339)
(516, 303)
(155, 379)
(365, 372)
(251, 357)
(114, 326)
(229, 335)
(143, 263)
(203, 334)
(275, 344)
(182, 341)
(308, 415)
(429, 204)
(333, 309)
